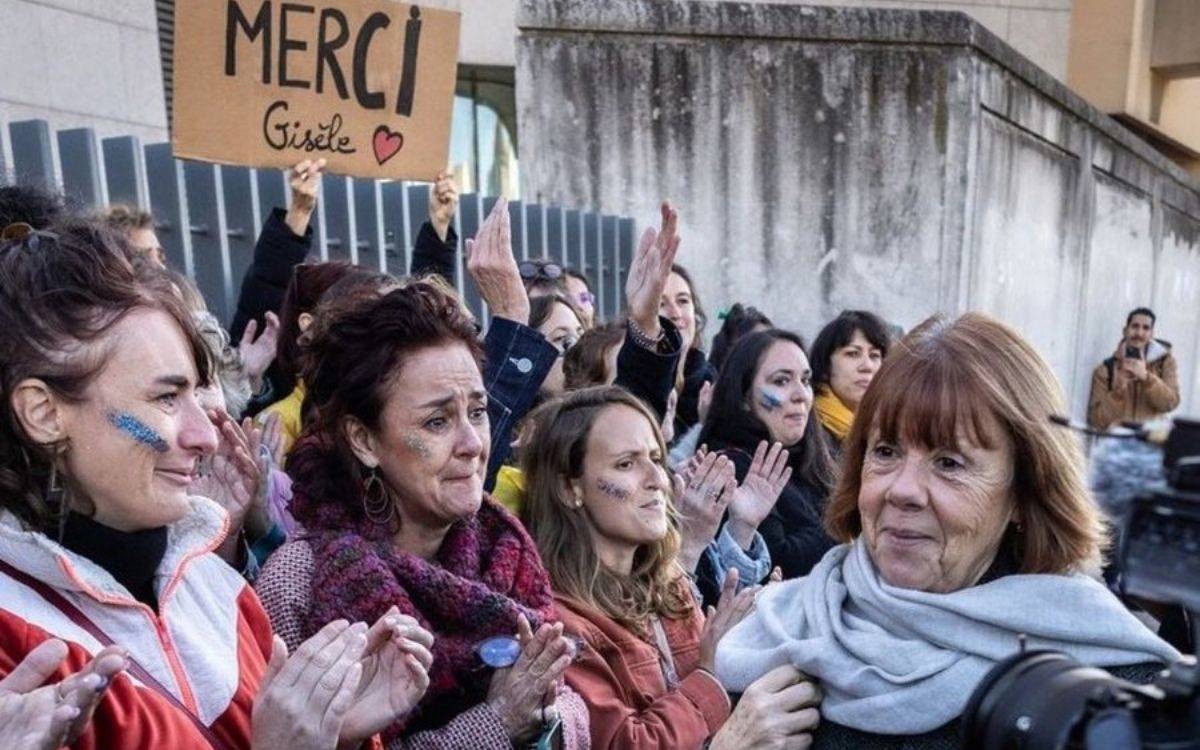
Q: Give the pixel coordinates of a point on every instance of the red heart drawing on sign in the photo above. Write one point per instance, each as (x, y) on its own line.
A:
(387, 143)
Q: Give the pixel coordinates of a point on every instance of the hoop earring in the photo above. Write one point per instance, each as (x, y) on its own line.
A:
(377, 502)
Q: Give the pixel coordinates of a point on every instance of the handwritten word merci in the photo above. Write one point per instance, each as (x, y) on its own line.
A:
(302, 48)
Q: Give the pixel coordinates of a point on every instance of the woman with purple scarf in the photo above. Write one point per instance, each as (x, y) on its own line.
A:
(389, 489)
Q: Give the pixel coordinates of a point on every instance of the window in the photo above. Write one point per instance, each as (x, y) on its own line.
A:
(483, 138)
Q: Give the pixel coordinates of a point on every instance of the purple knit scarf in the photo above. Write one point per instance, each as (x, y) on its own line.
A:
(486, 573)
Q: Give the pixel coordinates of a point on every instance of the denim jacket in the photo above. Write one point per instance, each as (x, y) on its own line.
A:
(517, 360)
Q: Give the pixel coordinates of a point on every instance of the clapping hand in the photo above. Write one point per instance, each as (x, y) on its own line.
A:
(231, 477)
(39, 716)
(759, 491)
(259, 352)
(732, 608)
(524, 694)
(396, 664)
(703, 489)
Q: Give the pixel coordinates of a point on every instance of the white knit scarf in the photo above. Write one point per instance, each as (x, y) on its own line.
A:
(899, 661)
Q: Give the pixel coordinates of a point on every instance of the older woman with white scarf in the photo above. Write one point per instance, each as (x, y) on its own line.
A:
(965, 523)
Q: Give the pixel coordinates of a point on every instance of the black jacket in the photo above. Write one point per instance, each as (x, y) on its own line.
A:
(433, 255)
(650, 375)
(276, 253)
(696, 372)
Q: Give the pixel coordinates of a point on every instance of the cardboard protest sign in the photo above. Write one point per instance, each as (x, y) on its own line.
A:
(366, 84)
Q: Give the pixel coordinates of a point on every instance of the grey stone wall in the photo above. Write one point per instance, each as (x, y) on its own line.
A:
(83, 63)
(824, 158)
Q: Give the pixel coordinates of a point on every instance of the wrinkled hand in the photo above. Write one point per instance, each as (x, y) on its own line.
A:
(491, 264)
(777, 712)
(395, 676)
(519, 693)
(702, 490)
(732, 608)
(759, 491)
(650, 270)
(443, 201)
(231, 478)
(36, 716)
(258, 353)
(303, 699)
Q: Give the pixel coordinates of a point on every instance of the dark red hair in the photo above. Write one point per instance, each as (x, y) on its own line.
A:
(351, 356)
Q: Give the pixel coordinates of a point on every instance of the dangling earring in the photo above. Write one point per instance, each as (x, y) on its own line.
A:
(55, 496)
(377, 502)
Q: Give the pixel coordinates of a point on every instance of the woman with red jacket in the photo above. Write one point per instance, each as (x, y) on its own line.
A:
(103, 548)
(600, 506)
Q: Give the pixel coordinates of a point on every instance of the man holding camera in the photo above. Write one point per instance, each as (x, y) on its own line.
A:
(1140, 382)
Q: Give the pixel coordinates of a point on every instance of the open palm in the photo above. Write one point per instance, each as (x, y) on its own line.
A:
(759, 491)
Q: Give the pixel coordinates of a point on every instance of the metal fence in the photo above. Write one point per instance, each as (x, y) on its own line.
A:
(207, 216)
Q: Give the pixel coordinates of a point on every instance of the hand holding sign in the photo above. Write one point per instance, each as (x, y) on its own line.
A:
(443, 201)
(305, 180)
(366, 84)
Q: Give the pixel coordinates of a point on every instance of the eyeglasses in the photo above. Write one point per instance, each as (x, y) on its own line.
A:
(533, 269)
(587, 298)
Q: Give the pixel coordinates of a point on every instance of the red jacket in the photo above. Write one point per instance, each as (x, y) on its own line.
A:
(620, 678)
(208, 644)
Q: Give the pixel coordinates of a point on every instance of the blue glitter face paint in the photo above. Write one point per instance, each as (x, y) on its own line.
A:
(768, 400)
(612, 490)
(138, 430)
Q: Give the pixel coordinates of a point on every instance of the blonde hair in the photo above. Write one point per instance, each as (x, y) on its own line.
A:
(946, 375)
(552, 456)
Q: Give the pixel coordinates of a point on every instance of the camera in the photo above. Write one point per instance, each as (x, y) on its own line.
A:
(1044, 700)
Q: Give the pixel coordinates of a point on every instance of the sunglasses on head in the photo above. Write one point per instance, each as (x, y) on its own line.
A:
(21, 234)
(532, 269)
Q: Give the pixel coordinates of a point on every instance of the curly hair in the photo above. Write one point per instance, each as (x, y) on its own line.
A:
(351, 357)
(61, 292)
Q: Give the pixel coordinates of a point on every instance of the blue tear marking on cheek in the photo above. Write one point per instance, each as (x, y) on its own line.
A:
(138, 430)
(769, 400)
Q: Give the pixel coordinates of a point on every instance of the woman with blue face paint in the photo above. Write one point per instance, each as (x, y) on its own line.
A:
(765, 393)
(106, 551)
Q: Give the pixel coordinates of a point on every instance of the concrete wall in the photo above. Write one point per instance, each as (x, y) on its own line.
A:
(83, 63)
(827, 158)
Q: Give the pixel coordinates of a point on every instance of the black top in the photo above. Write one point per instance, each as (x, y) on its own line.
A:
(130, 557)
(696, 372)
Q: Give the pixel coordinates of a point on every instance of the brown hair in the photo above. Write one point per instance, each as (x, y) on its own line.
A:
(554, 454)
(585, 364)
(948, 375)
(308, 284)
(126, 218)
(61, 292)
(697, 306)
(350, 359)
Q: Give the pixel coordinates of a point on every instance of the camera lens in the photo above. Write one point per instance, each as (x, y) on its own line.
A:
(1033, 701)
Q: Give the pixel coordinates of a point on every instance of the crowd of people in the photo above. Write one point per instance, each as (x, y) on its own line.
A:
(371, 523)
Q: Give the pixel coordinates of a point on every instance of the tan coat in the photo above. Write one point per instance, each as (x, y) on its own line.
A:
(1158, 394)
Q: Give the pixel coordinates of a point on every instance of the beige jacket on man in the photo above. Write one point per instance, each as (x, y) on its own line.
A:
(1137, 401)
